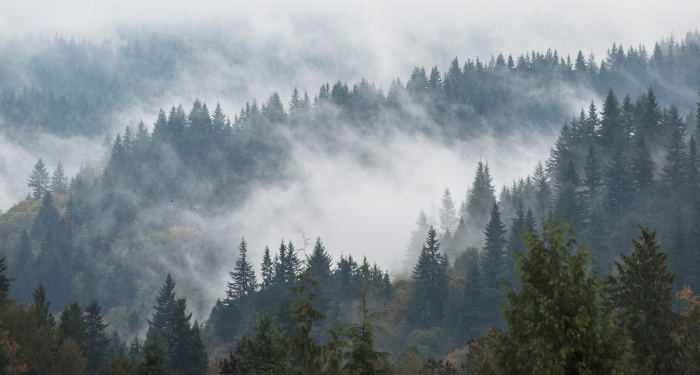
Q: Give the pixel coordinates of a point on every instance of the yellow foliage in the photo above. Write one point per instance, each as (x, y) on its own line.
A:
(21, 215)
(184, 239)
(11, 348)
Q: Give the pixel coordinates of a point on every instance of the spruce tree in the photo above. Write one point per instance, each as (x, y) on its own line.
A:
(243, 276)
(160, 323)
(267, 271)
(72, 325)
(4, 282)
(47, 217)
(643, 167)
(493, 264)
(611, 126)
(41, 307)
(363, 357)
(415, 243)
(593, 175)
(473, 316)
(185, 354)
(429, 291)
(641, 291)
(320, 263)
(39, 179)
(309, 355)
(264, 352)
(96, 340)
(555, 322)
(59, 180)
(154, 358)
(448, 214)
(481, 197)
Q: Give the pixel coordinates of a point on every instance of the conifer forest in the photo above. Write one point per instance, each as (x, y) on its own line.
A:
(572, 245)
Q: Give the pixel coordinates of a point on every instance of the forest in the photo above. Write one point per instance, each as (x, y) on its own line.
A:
(585, 265)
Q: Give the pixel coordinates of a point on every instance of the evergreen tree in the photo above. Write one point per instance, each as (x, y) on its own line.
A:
(363, 357)
(264, 352)
(243, 276)
(593, 176)
(4, 281)
(494, 264)
(427, 299)
(642, 293)
(555, 323)
(448, 214)
(39, 179)
(481, 197)
(416, 241)
(611, 126)
(59, 181)
(643, 167)
(309, 355)
(473, 316)
(186, 354)
(154, 358)
(516, 242)
(568, 205)
(267, 271)
(72, 325)
(41, 307)
(165, 307)
(96, 340)
(47, 217)
(320, 263)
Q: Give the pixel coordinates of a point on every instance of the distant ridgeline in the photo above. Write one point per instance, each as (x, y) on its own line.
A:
(70, 88)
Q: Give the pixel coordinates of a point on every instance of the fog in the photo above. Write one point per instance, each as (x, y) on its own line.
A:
(357, 209)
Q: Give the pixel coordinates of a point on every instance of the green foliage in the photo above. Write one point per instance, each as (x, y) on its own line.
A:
(39, 179)
(642, 293)
(426, 303)
(243, 276)
(555, 323)
(309, 355)
(154, 358)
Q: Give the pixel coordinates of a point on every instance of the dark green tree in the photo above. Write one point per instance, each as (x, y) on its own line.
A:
(72, 325)
(96, 340)
(642, 293)
(186, 353)
(493, 265)
(154, 358)
(39, 180)
(429, 291)
(243, 276)
(4, 281)
(165, 307)
(308, 354)
(46, 218)
(267, 272)
(481, 198)
(555, 322)
(320, 263)
(59, 180)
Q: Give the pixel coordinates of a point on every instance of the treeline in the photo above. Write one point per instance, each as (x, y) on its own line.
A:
(73, 88)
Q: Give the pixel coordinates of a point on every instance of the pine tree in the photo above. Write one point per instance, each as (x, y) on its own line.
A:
(96, 340)
(39, 180)
(154, 358)
(243, 276)
(643, 167)
(493, 264)
(72, 325)
(642, 293)
(415, 243)
(59, 181)
(427, 299)
(320, 263)
(47, 217)
(267, 271)
(186, 354)
(448, 214)
(555, 323)
(363, 357)
(309, 355)
(165, 300)
(481, 197)
(4, 282)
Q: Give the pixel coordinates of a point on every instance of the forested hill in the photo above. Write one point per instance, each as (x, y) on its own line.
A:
(70, 87)
(149, 210)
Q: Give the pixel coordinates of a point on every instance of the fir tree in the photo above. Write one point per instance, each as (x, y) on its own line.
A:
(267, 271)
(96, 340)
(493, 264)
(154, 358)
(4, 281)
(59, 181)
(363, 357)
(415, 243)
(39, 179)
(481, 197)
(72, 325)
(165, 300)
(426, 302)
(320, 263)
(309, 355)
(41, 307)
(473, 316)
(448, 214)
(186, 354)
(47, 217)
(611, 127)
(642, 293)
(264, 352)
(555, 323)
(243, 276)
(643, 167)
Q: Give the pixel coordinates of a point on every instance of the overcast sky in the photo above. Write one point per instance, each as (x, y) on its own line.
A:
(394, 35)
